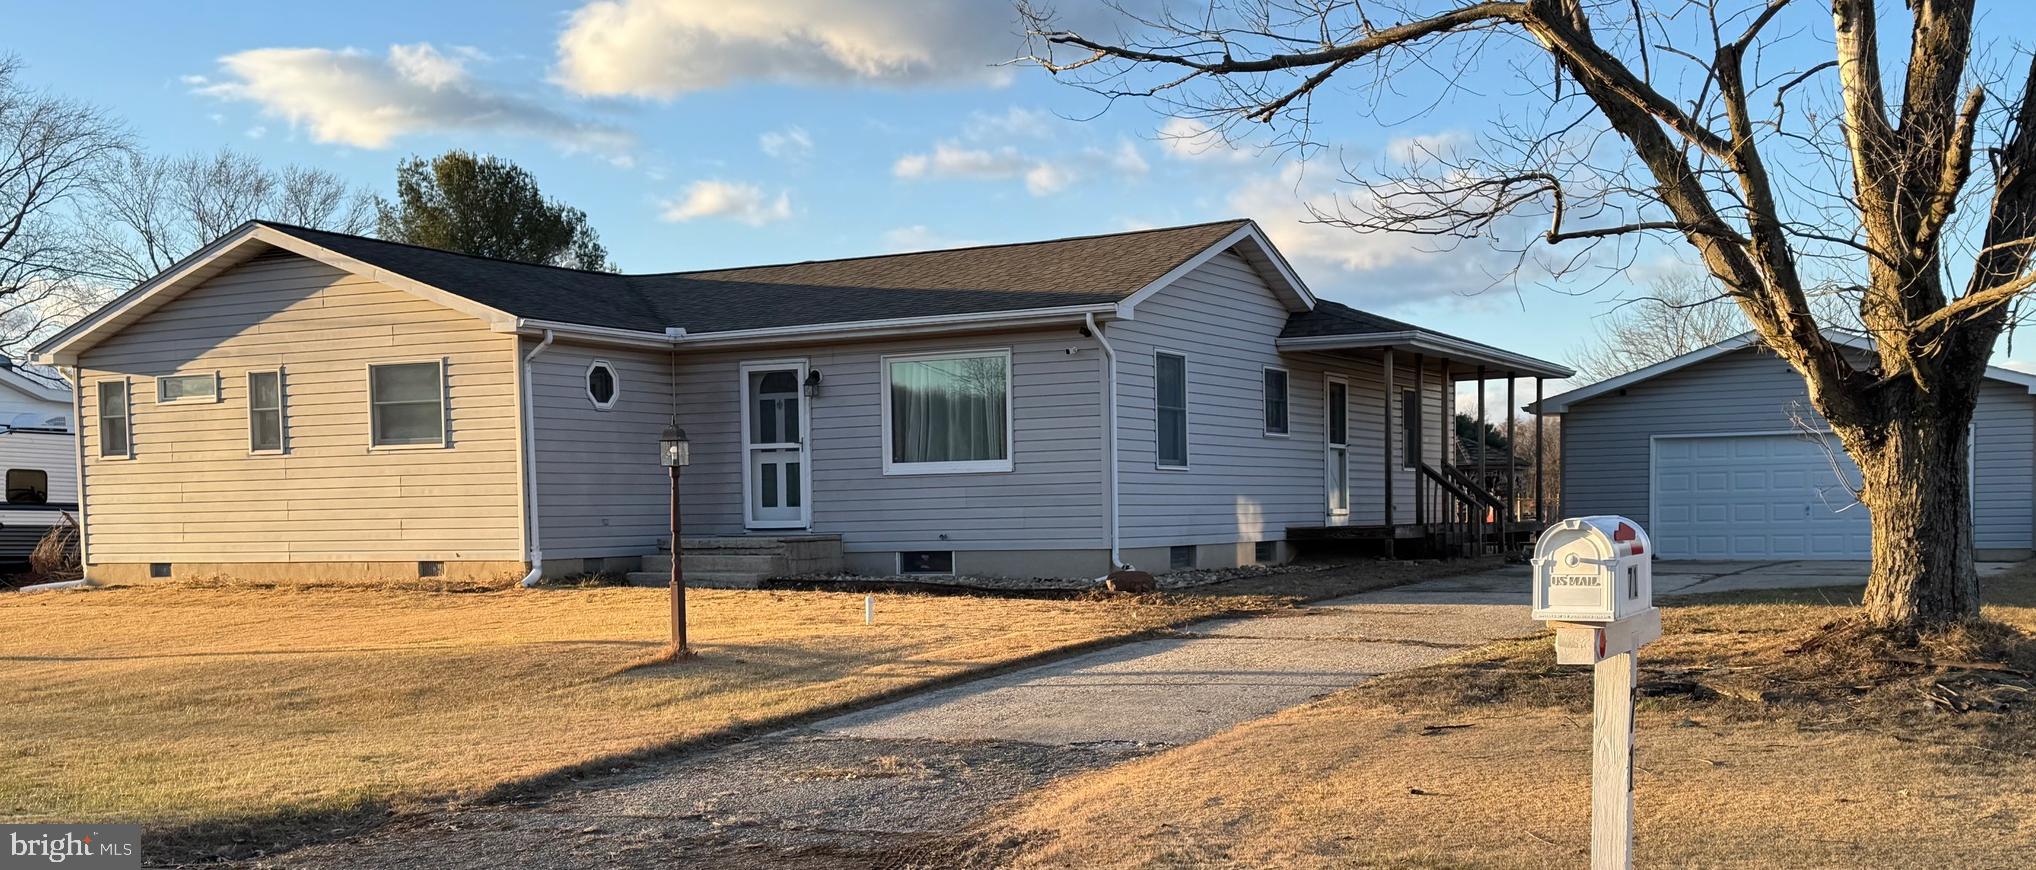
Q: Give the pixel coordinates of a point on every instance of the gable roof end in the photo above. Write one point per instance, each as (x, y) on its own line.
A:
(1561, 403)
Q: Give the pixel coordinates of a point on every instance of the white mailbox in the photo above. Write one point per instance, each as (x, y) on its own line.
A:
(1593, 569)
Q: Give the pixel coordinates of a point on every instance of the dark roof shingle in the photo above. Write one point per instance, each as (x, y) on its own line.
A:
(991, 278)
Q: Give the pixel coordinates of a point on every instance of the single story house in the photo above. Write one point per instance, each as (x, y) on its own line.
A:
(1719, 454)
(288, 402)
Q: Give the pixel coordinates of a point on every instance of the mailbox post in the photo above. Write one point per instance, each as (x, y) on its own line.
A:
(1594, 584)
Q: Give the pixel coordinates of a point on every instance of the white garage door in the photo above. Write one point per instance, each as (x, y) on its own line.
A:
(1756, 497)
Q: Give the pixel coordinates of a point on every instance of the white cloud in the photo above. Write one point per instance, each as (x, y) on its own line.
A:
(791, 143)
(736, 201)
(1426, 147)
(1042, 176)
(1189, 139)
(350, 97)
(919, 237)
(1384, 270)
(1013, 123)
(665, 48)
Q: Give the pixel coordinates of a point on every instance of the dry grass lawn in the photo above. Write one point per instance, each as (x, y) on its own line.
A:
(191, 708)
(1806, 759)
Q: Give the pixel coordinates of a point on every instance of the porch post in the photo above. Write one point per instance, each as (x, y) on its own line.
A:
(1420, 433)
(1480, 436)
(1512, 464)
(1388, 452)
(1540, 494)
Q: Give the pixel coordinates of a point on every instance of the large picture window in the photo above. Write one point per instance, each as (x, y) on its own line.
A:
(947, 412)
(408, 404)
(1170, 386)
(115, 439)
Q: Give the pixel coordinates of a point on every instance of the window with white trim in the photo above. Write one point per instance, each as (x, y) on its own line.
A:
(602, 384)
(175, 389)
(265, 411)
(407, 402)
(115, 437)
(1170, 392)
(947, 412)
(1275, 389)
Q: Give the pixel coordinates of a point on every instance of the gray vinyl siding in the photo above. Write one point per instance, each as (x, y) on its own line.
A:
(1606, 441)
(602, 493)
(1242, 485)
(2003, 481)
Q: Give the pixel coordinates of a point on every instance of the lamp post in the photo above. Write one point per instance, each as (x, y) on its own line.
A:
(674, 453)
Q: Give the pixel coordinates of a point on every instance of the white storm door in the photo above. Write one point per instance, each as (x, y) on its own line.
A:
(1336, 444)
(776, 486)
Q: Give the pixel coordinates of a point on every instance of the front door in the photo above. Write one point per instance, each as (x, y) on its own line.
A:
(1336, 449)
(774, 480)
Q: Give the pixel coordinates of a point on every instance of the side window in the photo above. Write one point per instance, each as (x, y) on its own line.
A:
(1275, 401)
(1170, 387)
(265, 412)
(27, 486)
(115, 439)
(407, 404)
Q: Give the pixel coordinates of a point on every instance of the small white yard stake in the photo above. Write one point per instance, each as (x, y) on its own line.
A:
(869, 610)
(1612, 762)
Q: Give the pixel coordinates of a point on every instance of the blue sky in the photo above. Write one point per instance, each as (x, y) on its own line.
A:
(695, 135)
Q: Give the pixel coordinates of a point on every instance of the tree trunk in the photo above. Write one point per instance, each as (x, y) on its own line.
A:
(1916, 470)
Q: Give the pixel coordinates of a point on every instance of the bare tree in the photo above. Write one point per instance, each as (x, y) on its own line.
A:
(147, 212)
(1706, 123)
(51, 149)
(1682, 312)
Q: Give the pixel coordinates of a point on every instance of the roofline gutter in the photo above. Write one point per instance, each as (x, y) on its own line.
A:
(1431, 341)
(860, 329)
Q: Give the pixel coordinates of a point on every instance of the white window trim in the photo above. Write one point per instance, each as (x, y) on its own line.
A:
(99, 416)
(613, 374)
(444, 388)
(1330, 381)
(981, 466)
(1187, 421)
(282, 414)
(1286, 401)
(213, 399)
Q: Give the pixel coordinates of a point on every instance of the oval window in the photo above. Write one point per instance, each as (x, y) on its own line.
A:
(601, 385)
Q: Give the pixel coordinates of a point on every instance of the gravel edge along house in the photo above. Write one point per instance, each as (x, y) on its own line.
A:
(296, 404)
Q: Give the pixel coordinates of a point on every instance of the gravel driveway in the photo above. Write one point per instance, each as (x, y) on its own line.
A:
(869, 788)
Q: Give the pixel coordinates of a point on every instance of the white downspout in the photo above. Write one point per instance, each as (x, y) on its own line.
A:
(1109, 429)
(531, 527)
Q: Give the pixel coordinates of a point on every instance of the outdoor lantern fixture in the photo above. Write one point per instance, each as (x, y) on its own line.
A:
(812, 383)
(674, 451)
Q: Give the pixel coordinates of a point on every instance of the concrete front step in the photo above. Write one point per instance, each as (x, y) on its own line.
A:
(720, 560)
(702, 579)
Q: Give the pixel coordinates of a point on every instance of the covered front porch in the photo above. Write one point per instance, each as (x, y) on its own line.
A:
(1435, 490)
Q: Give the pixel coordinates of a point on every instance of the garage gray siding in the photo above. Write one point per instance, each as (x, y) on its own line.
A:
(1606, 440)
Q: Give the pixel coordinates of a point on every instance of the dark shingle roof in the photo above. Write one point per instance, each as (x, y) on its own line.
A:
(1336, 318)
(991, 278)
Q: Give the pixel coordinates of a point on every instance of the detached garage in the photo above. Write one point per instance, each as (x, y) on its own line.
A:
(1718, 453)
